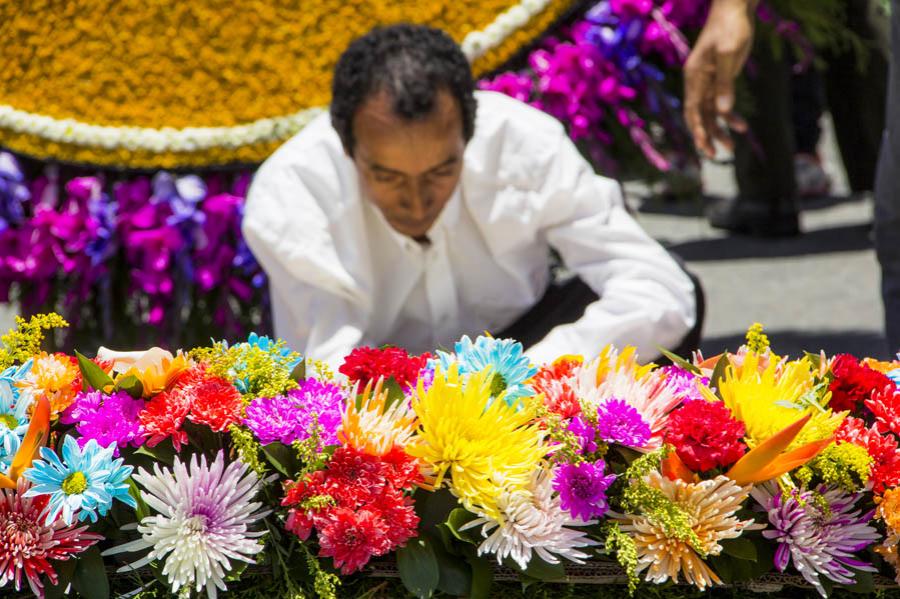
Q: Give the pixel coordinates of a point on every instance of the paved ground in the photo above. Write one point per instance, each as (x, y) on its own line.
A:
(816, 291)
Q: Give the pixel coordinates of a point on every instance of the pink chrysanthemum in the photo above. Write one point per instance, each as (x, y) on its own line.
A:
(28, 543)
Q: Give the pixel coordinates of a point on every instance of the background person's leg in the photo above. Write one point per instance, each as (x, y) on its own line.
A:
(763, 158)
(887, 196)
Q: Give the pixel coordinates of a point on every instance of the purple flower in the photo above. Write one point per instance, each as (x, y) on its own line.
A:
(321, 403)
(820, 531)
(106, 419)
(618, 422)
(582, 489)
(289, 418)
(684, 382)
(585, 432)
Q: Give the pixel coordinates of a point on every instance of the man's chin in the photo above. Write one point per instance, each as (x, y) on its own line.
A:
(417, 232)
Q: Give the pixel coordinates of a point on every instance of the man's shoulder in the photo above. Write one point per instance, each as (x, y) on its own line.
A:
(317, 143)
(499, 114)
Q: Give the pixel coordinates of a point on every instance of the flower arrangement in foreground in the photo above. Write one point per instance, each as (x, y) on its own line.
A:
(244, 469)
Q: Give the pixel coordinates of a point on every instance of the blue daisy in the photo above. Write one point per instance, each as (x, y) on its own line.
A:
(84, 482)
(504, 357)
(13, 414)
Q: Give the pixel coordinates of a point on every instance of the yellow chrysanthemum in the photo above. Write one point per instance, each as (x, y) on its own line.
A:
(481, 449)
(372, 426)
(56, 377)
(768, 399)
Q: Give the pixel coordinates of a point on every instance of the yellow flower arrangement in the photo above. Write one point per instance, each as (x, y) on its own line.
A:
(768, 399)
(170, 65)
(479, 447)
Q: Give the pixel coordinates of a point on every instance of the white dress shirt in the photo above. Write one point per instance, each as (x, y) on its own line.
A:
(340, 276)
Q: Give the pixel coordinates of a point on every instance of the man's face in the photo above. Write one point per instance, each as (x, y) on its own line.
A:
(409, 169)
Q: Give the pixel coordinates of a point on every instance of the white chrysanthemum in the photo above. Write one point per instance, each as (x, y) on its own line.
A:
(204, 515)
(534, 522)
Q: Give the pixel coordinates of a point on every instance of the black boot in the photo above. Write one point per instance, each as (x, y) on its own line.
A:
(753, 218)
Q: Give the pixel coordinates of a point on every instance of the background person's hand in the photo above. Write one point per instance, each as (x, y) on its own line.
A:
(709, 73)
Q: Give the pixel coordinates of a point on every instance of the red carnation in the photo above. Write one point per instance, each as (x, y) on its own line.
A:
(853, 382)
(883, 449)
(163, 416)
(352, 537)
(555, 383)
(214, 401)
(367, 364)
(885, 405)
(371, 514)
(705, 435)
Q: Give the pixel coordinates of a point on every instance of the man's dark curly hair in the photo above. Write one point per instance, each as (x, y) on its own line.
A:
(412, 63)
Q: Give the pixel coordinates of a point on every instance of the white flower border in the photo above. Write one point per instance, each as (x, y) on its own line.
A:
(195, 139)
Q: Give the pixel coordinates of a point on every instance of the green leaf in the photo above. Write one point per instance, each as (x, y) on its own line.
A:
(740, 548)
(64, 572)
(282, 458)
(865, 583)
(455, 575)
(90, 575)
(93, 375)
(141, 511)
(418, 567)
(482, 575)
(132, 386)
(394, 392)
(433, 508)
(299, 372)
(719, 373)
(724, 567)
(816, 359)
(459, 518)
(163, 452)
(541, 570)
(678, 360)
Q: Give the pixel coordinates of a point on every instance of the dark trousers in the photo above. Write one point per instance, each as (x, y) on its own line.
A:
(565, 302)
(764, 158)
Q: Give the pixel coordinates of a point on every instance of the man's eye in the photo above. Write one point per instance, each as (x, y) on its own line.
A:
(385, 177)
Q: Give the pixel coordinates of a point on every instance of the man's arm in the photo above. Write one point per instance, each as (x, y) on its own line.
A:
(709, 73)
(318, 308)
(646, 299)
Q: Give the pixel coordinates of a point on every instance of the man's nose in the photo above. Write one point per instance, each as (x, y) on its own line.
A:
(419, 201)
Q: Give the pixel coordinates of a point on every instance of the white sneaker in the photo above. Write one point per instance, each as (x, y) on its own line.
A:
(811, 179)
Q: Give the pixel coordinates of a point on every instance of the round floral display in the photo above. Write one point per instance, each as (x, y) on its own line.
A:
(171, 83)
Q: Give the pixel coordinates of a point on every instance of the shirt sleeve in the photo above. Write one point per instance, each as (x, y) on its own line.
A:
(646, 298)
(317, 303)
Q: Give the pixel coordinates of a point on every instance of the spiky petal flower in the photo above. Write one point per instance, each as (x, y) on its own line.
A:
(28, 542)
(617, 375)
(819, 531)
(480, 448)
(533, 523)
(375, 425)
(13, 421)
(503, 358)
(204, 515)
(711, 506)
(85, 482)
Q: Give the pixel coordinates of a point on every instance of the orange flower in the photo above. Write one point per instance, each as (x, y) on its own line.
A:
(56, 377)
(373, 426)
